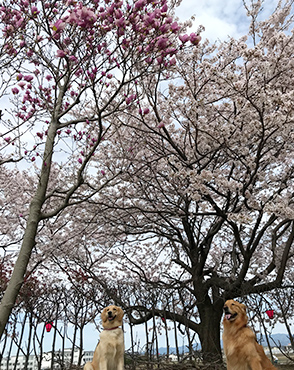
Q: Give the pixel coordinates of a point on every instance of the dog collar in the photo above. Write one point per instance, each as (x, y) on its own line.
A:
(116, 327)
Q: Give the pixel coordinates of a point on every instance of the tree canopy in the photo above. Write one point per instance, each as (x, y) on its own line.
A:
(164, 159)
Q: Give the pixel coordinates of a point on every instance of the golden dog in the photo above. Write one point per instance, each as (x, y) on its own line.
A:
(241, 348)
(109, 353)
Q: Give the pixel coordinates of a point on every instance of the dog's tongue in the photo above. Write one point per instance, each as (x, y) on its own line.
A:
(228, 316)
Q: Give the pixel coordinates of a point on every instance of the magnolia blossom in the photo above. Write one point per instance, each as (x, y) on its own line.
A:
(22, 84)
(184, 38)
(82, 16)
(35, 10)
(15, 90)
(82, 43)
(28, 78)
(61, 53)
(195, 39)
(58, 25)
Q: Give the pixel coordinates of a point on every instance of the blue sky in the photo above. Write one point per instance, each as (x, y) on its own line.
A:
(220, 18)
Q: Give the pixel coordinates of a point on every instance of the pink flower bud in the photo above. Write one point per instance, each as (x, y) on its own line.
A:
(195, 39)
(73, 59)
(34, 10)
(175, 27)
(28, 78)
(58, 26)
(60, 53)
(184, 38)
(173, 61)
(21, 84)
(162, 43)
(164, 8)
(159, 60)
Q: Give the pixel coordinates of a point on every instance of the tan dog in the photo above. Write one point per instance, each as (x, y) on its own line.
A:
(241, 348)
(109, 353)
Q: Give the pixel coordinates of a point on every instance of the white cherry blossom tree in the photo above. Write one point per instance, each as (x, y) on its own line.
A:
(205, 205)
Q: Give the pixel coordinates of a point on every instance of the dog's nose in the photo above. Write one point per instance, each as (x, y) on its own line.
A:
(109, 313)
(225, 307)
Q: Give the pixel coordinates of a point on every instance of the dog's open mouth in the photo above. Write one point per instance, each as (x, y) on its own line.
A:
(111, 318)
(230, 316)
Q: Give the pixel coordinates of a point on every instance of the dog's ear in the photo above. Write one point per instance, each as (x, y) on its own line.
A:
(120, 314)
(244, 308)
(104, 315)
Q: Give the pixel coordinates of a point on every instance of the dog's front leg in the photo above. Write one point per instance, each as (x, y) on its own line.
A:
(255, 364)
(120, 363)
(102, 364)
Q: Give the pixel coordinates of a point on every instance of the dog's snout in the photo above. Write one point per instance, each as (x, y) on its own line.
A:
(226, 309)
(109, 313)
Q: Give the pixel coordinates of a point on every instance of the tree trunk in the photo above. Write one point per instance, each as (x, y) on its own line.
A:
(54, 340)
(81, 344)
(209, 333)
(38, 345)
(28, 243)
(73, 342)
(13, 335)
(166, 338)
(27, 355)
(3, 349)
(176, 340)
(267, 340)
(63, 346)
(19, 346)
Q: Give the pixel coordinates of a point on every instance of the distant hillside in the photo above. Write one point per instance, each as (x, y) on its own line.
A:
(279, 339)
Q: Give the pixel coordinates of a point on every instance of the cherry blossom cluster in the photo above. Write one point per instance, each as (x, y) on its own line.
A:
(89, 46)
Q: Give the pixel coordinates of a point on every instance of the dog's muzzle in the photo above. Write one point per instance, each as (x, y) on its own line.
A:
(228, 315)
(110, 316)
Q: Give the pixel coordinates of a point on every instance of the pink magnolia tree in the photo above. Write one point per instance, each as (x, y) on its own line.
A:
(209, 181)
(77, 64)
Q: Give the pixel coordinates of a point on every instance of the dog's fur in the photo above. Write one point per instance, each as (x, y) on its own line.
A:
(109, 353)
(241, 348)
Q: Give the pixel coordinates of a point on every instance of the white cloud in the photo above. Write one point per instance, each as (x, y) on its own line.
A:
(220, 18)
